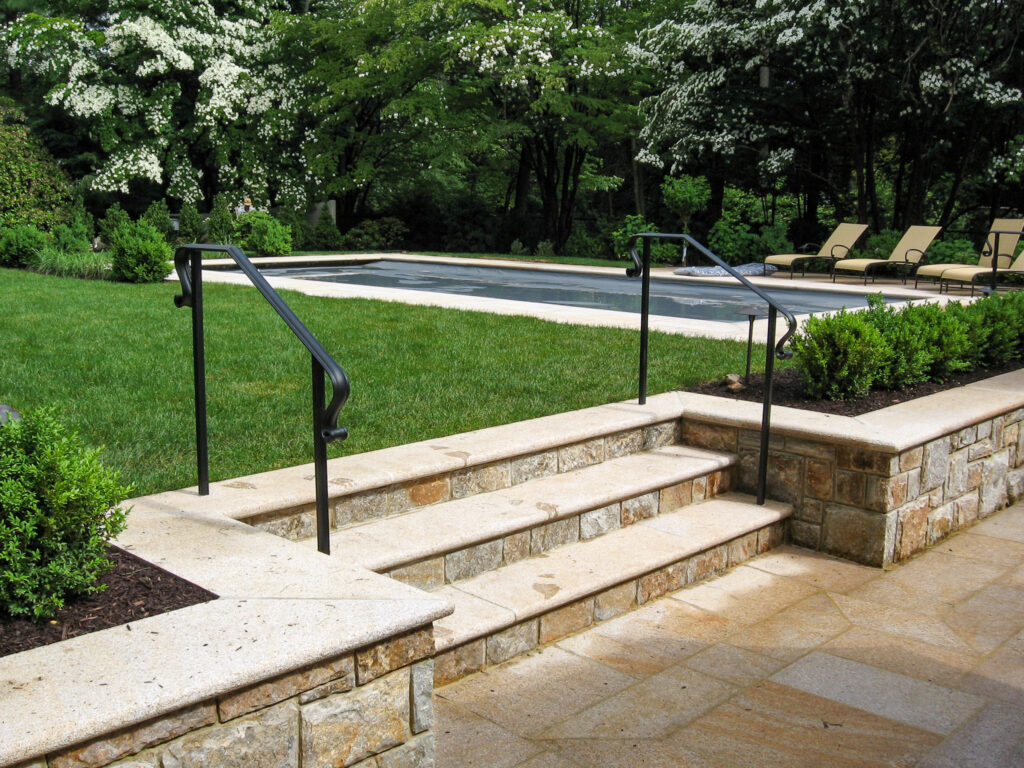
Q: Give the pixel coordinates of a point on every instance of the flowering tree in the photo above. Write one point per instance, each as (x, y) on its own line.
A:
(191, 95)
(911, 98)
(553, 86)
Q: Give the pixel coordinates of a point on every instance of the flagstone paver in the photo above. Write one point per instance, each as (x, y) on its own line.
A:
(794, 659)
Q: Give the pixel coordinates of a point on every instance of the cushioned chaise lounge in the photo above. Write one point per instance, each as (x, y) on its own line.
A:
(838, 246)
(908, 251)
(1005, 232)
(972, 274)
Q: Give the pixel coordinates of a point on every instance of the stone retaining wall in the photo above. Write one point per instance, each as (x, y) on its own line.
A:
(875, 506)
(371, 708)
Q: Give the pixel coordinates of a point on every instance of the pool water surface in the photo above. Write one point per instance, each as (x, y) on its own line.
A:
(670, 298)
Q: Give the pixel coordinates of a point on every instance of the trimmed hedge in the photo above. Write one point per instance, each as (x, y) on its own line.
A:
(845, 355)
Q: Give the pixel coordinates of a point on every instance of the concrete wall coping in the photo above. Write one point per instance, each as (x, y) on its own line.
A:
(889, 430)
(282, 607)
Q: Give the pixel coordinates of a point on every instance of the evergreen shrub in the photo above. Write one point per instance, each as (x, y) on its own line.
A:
(191, 226)
(840, 356)
(260, 233)
(21, 245)
(58, 510)
(140, 254)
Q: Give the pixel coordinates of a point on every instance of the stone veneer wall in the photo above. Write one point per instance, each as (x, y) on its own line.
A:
(875, 507)
(370, 709)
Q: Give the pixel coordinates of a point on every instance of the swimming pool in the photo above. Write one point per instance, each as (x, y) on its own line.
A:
(669, 298)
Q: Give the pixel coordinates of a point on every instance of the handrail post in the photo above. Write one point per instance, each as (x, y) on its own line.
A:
(766, 412)
(645, 311)
(994, 280)
(199, 372)
(323, 522)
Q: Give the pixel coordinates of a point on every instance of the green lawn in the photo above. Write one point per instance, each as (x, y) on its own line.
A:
(116, 360)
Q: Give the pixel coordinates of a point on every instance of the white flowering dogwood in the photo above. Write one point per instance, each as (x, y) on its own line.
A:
(908, 95)
(191, 95)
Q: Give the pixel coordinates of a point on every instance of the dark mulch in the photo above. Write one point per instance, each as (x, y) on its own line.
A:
(135, 590)
(788, 390)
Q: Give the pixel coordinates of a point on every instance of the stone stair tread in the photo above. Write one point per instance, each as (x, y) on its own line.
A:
(388, 543)
(495, 600)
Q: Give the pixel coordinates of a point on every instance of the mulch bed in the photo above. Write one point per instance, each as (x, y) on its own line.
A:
(788, 390)
(135, 590)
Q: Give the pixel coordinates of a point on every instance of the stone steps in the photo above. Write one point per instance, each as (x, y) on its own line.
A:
(508, 611)
(458, 539)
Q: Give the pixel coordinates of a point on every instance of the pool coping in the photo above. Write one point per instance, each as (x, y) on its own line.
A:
(735, 331)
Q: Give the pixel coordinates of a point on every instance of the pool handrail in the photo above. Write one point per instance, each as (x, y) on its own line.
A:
(642, 267)
(188, 264)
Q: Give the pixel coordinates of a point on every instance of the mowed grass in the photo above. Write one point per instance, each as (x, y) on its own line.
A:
(115, 359)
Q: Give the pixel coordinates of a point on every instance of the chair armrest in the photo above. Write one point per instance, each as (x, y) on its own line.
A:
(906, 255)
(839, 246)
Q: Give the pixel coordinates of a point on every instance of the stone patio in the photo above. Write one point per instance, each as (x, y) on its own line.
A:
(793, 659)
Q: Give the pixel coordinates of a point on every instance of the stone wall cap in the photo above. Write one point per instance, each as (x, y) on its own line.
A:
(282, 607)
(253, 495)
(891, 430)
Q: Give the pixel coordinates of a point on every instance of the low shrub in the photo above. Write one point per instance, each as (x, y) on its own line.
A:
(955, 250)
(733, 241)
(375, 234)
(114, 217)
(910, 352)
(518, 249)
(840, 356)
(70, 240)
(545, 250)
(21, 245)
(159, 215)
(220, 224)
(326, 236)
(878, 246)
(139, 254)
(661, 252)
(58, 510)
(191, 226)
(82, 264)
(262, 234)
(302, 233)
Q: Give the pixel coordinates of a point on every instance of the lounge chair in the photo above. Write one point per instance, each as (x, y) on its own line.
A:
(908, 251)
(970, 274)
(838, 246)
(1004, 232)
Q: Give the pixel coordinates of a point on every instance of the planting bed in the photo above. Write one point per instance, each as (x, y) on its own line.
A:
(134, 590)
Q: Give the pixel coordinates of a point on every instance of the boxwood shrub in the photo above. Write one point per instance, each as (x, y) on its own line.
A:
(844, 355)
(58, 510)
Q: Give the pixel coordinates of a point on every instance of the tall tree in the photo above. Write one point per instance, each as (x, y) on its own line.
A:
(906, 98)
(190, 95)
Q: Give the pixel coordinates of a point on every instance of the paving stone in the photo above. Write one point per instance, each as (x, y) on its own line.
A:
(426, 574)
(344, 729)
(512, 642)
(580, 455)
(639, 508)
(382, 658)
(470, 741)
(418, 752)
(818, 570)
(422, 696)
(993, 739)
(565, 621)
(284, 687)
(532, 467)
(469, 482)
(615, 601)
(795, 630)
(459, 662)
(599, 521)
(268, 738)
(553, 535)
(471, 561)
(923, 705)
(131, 740)
(624, 443)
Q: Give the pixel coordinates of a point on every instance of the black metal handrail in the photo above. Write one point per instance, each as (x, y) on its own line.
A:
(188, 264)
(642, 266)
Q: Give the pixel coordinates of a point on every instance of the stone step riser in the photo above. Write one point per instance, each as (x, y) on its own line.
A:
(454, 662)
(467, 562)
(299, 522)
